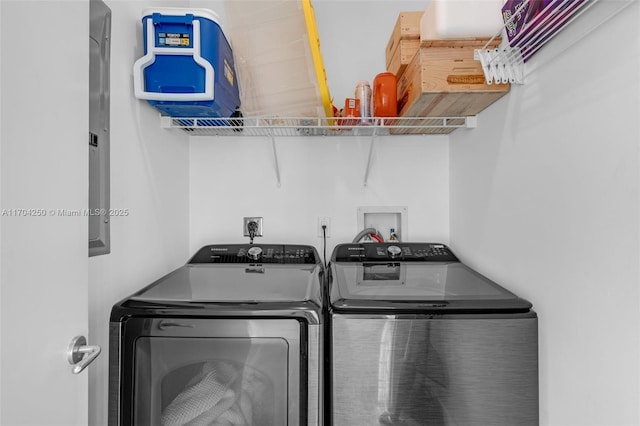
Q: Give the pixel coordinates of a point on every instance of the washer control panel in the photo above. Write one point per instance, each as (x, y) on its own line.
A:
(256, 253)
(408, 252)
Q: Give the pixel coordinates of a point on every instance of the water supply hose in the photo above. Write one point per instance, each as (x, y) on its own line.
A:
(367, 231)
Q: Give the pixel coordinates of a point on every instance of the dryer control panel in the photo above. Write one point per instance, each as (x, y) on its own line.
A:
(256, 253)
(405, 252)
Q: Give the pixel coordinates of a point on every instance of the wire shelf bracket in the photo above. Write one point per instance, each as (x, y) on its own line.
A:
(275, 160)
(498, 69)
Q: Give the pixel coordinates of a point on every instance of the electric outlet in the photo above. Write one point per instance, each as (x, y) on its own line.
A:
(326, 221)
(258, 225)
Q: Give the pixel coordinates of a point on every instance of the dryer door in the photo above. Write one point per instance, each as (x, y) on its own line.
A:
(211, 371)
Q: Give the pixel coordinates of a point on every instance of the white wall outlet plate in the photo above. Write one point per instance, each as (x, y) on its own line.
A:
(326, 221)
(257, 221)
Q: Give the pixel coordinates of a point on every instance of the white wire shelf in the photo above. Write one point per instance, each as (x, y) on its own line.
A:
(304, 126)
(506, 64)
(275, 127)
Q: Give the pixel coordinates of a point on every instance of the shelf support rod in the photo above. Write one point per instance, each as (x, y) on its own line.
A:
(275, 159)
(370, 158)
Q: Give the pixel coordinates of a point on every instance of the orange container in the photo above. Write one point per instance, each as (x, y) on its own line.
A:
(351, 109)
(385, 101)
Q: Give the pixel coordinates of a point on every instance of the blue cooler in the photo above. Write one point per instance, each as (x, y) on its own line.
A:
(187, 69)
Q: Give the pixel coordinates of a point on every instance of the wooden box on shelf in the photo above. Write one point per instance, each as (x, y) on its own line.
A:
(404, 40)
(403, 56)
(444, 80)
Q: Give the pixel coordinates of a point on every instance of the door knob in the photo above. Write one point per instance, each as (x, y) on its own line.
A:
(80, 355)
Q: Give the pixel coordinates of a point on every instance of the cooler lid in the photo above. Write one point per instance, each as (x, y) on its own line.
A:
(413, 282)
(181, 11)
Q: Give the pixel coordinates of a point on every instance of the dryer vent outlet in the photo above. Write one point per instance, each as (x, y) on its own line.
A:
(252, 224)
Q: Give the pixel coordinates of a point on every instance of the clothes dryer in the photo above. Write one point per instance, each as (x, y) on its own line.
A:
(233, 337)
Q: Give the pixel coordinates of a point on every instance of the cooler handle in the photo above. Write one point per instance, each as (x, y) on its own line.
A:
(159, 18)
(150, 58)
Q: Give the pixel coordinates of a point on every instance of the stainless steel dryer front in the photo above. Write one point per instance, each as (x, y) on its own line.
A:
(233, 337)
(417, 338)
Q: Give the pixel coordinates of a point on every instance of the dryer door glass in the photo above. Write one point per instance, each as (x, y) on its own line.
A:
(182, 380)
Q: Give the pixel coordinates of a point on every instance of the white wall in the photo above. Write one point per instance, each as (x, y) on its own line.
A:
(235, 177)
(149, 177)
(545, 199)
(1, 243)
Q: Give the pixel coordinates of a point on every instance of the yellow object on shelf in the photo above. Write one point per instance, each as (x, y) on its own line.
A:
(314, 44)
(278, 60)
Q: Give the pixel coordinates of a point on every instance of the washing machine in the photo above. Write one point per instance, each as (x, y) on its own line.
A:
(418, 338)
(233, 337)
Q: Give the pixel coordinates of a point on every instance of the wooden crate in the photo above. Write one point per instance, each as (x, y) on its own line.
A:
(407, 27)
(404, 55)
(444, 80)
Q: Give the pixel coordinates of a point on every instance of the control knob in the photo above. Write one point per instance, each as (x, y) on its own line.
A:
(394, 251)
(254, 253)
